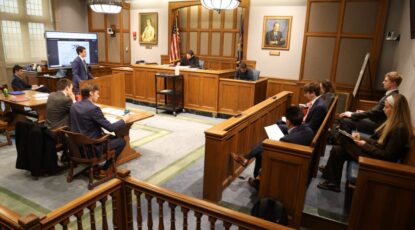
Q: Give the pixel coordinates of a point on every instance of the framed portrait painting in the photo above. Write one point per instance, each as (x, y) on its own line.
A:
(148, 28)
(276, 33)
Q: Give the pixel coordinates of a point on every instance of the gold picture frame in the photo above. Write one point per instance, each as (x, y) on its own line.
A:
(276, 34)
(148, 27)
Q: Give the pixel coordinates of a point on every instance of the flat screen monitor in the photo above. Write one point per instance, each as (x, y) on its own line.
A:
(61, 48)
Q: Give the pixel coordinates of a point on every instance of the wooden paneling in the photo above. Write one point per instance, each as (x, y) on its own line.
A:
(238, 95)
(384, 197)
(287, 168)
(334, 21)
(195, 20)
(276, 85)
(238, 135)
(110, 87)
(201, 87)
(216, 63)
(112, 49)
(129, 80)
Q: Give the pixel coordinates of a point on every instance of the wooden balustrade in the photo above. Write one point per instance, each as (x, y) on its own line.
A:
(111, 206)
(287, 169)
(238, 134)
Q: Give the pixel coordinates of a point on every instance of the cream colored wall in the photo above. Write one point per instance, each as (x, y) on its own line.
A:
(286, 66)
(71, 16)
(140, 52)
(402, 54)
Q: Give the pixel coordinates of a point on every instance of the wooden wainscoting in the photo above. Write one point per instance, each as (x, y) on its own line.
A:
(236, 96)
(110, 88)
(215, 63)
(239, 135)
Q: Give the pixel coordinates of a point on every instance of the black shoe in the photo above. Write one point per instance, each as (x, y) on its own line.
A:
(326, 185)
(321, 168)
(254, 183)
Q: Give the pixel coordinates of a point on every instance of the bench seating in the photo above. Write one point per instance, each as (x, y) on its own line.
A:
(384, 197)
(352, 172)
(238, 134)
(287, 169)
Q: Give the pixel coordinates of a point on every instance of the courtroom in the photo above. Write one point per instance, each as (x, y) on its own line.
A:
(207, 114)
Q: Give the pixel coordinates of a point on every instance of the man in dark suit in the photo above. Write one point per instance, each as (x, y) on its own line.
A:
(190, 60)
(59, 104)
(298, 133)
(244, 73)
(88, 119)
(80, 70)
(368, 121)
(317, 108)
(19, 84)
(274, 36)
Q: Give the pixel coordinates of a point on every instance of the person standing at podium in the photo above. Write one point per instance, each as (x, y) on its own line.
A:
(190, 60)
(80, 70)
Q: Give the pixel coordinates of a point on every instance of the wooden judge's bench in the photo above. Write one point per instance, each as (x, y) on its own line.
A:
(213, 91)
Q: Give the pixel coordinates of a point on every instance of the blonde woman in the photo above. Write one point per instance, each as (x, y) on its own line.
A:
(390, 142)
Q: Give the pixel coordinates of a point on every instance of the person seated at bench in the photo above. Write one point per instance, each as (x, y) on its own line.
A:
(298, 133)
(244, 73)
(390, 142)
(190, 60)
(368, 121)
(18, 84)
(88, 119)
(327, 92)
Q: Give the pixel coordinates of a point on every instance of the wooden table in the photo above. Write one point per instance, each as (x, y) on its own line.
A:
(39, 106)
(127, 153)
(18, 107)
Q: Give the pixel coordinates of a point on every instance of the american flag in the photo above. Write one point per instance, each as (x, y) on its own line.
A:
(175, 41)
(240, 42)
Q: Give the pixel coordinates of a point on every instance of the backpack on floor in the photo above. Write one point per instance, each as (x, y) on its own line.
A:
(270, 209)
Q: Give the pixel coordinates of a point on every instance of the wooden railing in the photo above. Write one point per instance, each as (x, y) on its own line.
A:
(127, 203)
(287, 169)
(238, 134)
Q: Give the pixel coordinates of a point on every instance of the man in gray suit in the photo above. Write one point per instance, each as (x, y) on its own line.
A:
(275, 36)
(59, 104)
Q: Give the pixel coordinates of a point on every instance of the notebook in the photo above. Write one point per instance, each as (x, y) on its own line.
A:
(274, 132)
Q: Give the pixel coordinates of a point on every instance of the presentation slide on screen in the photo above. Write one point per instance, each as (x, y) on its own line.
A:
(67, 51)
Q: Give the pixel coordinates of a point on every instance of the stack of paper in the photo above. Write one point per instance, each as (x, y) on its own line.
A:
(274, 132)
(41, 96)
(112, 111)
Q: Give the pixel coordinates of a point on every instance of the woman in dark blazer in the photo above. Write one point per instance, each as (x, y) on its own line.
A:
(390, 142)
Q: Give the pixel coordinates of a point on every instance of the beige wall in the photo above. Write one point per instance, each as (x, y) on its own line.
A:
(285, 66)
(401, 55)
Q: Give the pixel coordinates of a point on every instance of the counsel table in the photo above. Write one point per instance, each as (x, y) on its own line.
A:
(40, 107)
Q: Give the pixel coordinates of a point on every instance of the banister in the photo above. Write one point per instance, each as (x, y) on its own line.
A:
(202, 206)
(80, 203)
(8, 218)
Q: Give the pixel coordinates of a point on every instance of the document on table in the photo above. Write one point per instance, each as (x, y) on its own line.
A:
(112, 111)
(41, 96)
(274, 132)
(111, 119)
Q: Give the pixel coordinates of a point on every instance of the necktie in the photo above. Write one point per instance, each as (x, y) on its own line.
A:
(86, 69)
(309, 104)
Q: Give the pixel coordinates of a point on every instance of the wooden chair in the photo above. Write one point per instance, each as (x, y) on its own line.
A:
(85, 150)
(4, 114)
(60, 142)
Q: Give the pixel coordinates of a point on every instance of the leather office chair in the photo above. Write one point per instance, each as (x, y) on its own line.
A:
(85, 150)
(5, 113)
(256, 74)
(201, 64)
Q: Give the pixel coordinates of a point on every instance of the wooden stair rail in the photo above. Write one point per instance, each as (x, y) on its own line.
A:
(238, 134)
(287, 169)
(116, 200)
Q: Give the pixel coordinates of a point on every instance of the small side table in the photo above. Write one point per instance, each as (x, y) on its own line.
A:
(172, 92)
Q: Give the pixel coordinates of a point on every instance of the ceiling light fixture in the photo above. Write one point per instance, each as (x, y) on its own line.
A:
(219, 5)
(106, 6)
